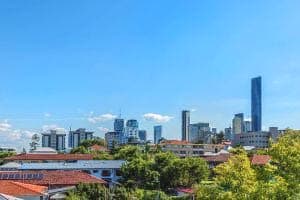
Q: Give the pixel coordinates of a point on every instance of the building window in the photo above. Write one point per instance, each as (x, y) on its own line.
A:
(106, 173)
(95, 171)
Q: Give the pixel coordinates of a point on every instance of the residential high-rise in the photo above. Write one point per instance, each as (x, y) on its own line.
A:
(185, 117)
(132, 129)
(238, 123)
(113, 139)
(256, 104)
(199, 133)
(76, 137)
(228, 133)
(157, 134)
(54, 140)
(143, 135)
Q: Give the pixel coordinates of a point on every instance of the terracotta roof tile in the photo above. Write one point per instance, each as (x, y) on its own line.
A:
(58, 177)
(50, 157)
(21, 189)
(260, 159)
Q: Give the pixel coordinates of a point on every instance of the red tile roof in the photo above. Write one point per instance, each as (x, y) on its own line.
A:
(62, 157)
(58, 178)
(175, 142)
(21, 189)
(260, 159)
(97, 147)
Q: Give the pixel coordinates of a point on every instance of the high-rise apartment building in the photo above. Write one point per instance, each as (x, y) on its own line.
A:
(185, 117)
(256, 104)
(157, 134)
(76, 137)
(238, 123)
(143, 135)
(54, 140)
(132, 129)
(228, 133)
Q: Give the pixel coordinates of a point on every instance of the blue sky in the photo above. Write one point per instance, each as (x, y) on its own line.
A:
(78, 63)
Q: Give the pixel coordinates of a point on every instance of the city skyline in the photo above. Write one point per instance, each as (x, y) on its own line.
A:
(66, 66)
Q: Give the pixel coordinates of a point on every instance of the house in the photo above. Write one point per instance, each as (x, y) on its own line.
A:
(23, 190)
(108, 170)
(215, 159)
(50, 179)
(260, 159)
(47, 158)
(97, 147)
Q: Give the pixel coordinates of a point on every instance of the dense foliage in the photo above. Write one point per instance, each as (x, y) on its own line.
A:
(4, 155)
(151, 174)
(238, 180)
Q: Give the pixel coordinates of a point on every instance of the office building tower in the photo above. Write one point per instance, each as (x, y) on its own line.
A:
(247, 126)
(256, 104)
(54, 140)
(78, 136)
(143, 135)
(238, 123)
(132, 129)
(199, 133)
(185, 117)
(228, 133)
(119, 125)
(157, 134)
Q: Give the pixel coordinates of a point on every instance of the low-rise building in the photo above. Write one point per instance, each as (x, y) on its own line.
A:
(52, 179)
(23, 190)
(108, 170)
(187, 149)
(47, 158)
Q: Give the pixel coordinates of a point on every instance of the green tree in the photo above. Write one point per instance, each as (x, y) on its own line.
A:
(88, 192)
(286, 157)
(4, 155)
(128, 153)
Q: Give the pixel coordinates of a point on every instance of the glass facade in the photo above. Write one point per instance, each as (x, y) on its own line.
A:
(185, 125)
(256, 105)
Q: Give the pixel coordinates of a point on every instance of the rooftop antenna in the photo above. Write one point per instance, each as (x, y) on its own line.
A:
(120, 114)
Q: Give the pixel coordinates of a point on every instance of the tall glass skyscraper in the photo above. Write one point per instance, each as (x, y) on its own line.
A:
(157, 134)
(185, 125)
(256, 111)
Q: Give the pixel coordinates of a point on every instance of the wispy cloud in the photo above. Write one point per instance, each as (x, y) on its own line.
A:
(101, 118)
(103, 129)
(5, 126)
(157, 117)
(53, 127)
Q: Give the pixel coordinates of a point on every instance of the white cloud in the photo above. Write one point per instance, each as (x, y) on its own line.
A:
(5, 126)
(193, 110)
(102, 118)
(53, 127)
(157, 117)
(103, 129)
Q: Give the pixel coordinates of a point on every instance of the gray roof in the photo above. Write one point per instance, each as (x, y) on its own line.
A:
(10, 165)
(80, 165)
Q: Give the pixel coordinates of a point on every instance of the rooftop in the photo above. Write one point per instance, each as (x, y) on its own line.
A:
(260, 159)
(21, 157)
(49, 178)
(21, 189)
(80, 165)
(175, 142)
